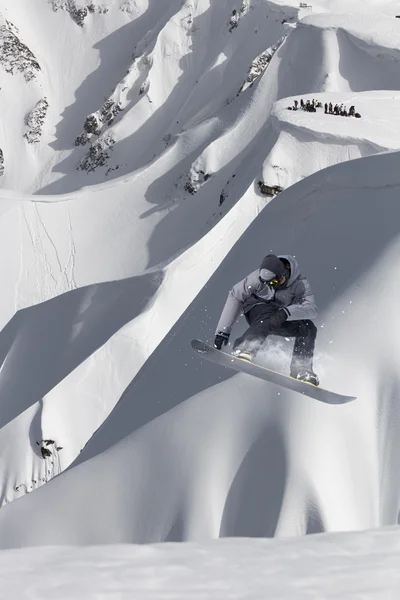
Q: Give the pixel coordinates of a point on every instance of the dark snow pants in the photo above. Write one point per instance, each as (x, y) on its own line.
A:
(304, 331)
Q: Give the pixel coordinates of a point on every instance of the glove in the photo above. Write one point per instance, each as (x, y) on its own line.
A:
(278, 317)
(221, 338)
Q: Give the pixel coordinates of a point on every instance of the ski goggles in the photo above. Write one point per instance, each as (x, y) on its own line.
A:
(272, 282)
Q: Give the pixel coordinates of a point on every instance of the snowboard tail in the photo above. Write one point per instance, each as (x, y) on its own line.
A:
(238, 364)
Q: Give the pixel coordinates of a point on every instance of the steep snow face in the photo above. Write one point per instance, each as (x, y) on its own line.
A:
(70, 386)
(200, 453)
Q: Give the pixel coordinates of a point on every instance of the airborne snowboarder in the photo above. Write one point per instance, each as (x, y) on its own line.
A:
(275, 300)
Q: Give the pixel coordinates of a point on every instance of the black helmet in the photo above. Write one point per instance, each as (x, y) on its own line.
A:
(272, 268)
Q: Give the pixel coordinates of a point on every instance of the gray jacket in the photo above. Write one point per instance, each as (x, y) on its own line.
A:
(295, 295)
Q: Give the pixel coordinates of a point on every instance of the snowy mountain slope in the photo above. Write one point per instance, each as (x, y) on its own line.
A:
(310, 59)
(124, 219)
(175, 218)
(48, 245)
(342, 565)
(200, 453)
(70, 411)
(68, 57)
(127, 76)
(102, 274)
(190, 76)
(81, 242)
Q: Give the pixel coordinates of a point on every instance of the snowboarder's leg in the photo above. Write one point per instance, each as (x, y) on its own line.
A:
(248, 344)
(303, 349)
(305, 333)
(251, 341)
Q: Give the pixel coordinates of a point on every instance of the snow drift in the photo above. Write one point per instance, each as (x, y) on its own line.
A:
(345, 565)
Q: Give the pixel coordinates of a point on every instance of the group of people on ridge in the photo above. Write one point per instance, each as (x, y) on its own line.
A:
(341, 110)
(308, 106)
(330, 109)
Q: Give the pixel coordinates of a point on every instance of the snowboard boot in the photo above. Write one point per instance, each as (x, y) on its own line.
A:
(308, 376)
(243, 354)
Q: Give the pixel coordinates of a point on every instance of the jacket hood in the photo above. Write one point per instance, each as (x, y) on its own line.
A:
(294, 268)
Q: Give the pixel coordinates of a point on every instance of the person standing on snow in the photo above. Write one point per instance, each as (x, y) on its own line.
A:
(275, 300)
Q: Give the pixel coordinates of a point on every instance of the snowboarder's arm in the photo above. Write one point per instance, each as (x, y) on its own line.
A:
(229, 314)
(304, 307)
(234, 303)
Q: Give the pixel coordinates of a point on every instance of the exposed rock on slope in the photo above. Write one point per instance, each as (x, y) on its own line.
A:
(35, 121)
(260, 63)
(77, 14)
(15, 56)
(98, 154)
(96, 121)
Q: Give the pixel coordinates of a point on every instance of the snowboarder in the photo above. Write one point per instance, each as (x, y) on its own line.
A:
(326, 108)
(275, 300)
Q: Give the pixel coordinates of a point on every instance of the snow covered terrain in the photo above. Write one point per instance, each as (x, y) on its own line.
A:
(133, 138)
(207, 454)
(345, 566)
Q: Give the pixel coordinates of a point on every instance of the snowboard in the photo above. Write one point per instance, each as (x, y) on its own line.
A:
(239, 364)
